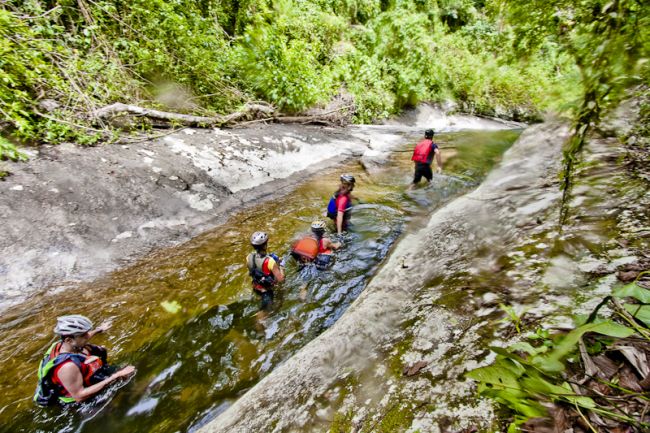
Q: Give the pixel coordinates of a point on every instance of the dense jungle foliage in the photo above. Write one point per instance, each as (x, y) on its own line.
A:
(62, 59)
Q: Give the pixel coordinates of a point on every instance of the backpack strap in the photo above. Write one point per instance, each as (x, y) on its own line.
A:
(46, 390)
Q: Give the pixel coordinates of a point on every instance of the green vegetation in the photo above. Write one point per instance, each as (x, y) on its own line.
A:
(609, 41)
(61, 60)
(552, 374)
(512, 316)
(8, 151)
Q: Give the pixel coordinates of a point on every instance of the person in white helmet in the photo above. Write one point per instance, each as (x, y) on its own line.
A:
(315, 248)
(340, 203)
(73, 370)
(265, 269)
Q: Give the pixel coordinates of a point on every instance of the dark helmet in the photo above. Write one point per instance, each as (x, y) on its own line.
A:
(259, 238)
(429, 133)
(348, 178)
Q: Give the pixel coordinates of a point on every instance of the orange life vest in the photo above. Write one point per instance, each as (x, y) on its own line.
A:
(306, 248)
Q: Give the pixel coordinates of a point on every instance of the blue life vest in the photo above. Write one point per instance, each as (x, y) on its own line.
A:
(331, 207)
(332, 210)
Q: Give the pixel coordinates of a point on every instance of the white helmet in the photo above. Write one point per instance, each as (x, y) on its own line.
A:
(348, 178)
(318, 226)
(259, 238)
(73, 324)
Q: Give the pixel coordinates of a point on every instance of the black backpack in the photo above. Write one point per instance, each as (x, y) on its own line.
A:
(256, 273)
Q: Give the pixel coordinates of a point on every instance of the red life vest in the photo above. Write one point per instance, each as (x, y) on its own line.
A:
(89, 366)
(422, 151)
(321, 247)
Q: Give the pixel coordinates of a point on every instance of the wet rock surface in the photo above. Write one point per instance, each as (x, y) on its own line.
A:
(487, 265)
(353, 377)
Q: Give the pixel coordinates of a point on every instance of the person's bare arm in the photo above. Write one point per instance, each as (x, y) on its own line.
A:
(438, 161)
(329, 244)
(278, 272)
(72, 381)
(339, 222)
(105, 326)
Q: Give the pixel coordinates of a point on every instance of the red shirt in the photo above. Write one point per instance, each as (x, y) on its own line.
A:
(343, 202)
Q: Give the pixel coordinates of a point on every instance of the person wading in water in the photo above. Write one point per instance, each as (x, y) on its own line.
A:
(340, 204)
(313, 249)
(266, 270)
(423, 155)
(73, 370)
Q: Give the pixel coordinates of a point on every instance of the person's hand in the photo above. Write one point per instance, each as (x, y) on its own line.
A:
(438, 170)
(126, 371)
(104, 326)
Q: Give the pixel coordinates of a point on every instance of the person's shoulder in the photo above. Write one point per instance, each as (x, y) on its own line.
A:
(67, 367)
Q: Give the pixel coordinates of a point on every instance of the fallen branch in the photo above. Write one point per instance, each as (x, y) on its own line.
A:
(263, 112)
(76, 125)
(113, 110)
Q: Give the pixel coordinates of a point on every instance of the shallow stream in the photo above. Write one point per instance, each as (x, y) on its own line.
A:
(192, 363)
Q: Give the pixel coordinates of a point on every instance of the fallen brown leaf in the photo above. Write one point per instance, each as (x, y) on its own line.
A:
(627, 276)
(636, 357)
(415, 368)
(606, 367)
(629, 380)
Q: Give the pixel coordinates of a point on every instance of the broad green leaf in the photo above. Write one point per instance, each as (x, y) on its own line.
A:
(609, 328)
(552, 362)
(505, 353)
(641, 312)
(635, 291)
(497, 375)
(528, 407)
(523, 346)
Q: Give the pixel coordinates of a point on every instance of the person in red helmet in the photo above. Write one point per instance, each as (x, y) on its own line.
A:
(423, 156)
